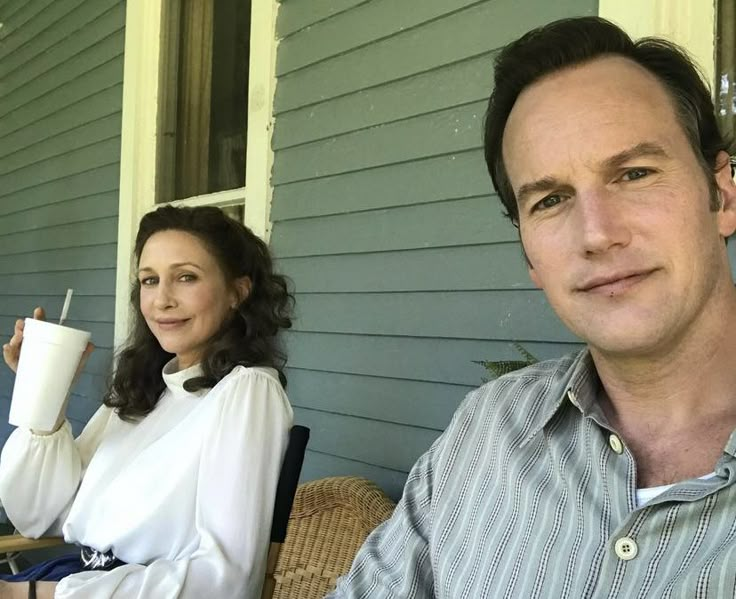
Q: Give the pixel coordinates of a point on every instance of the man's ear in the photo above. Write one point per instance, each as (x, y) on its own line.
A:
(530, 267)
(727, 194)
(243, 286)
(533, 276)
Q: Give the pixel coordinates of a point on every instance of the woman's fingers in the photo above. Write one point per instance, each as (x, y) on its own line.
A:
(10, 357)
(11, 350)
(87, 351)
(83, 360)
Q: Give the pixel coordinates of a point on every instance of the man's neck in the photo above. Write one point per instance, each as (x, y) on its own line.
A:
(675, 410)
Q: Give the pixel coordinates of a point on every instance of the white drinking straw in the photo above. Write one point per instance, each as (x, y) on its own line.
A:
(65, 309)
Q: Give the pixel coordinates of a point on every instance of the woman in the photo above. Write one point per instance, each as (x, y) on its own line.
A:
(170, 487)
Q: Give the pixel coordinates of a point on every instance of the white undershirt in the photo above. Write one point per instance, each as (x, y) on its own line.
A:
(185, 495)
(646, 494)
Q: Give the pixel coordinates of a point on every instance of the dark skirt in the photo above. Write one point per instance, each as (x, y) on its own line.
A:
(51, 570)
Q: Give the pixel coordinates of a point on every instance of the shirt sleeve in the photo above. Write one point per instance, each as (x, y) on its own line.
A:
(394, 562)
(40, 474)
(244, 445)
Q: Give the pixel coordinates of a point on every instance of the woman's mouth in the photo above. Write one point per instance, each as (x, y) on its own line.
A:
(171, 323)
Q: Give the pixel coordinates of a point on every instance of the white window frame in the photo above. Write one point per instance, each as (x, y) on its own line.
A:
(690, 23)
(144, 93)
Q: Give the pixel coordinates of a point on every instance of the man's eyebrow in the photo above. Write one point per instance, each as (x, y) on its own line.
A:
(640, 150)
(539, 186)
(612, 162)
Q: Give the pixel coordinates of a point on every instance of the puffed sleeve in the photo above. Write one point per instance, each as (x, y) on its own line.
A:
(244, 444)
(40, 474)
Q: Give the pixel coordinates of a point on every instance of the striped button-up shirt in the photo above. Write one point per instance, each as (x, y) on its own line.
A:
(530, 493)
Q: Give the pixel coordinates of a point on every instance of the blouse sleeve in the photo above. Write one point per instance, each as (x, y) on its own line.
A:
(238, 473)
(40, 474)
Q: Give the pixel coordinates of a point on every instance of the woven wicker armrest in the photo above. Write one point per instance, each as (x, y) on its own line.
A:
(330, 519)
(13, 543)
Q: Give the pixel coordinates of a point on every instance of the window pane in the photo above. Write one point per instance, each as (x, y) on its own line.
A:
(726, 66)
(229, 115)
(209, 77)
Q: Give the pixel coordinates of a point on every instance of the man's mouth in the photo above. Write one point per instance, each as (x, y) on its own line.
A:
(611, 284)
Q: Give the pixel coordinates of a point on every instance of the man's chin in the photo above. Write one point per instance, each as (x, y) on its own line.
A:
(632, 347)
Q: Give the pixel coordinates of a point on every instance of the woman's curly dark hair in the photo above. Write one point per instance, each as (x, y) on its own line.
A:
(250, 337)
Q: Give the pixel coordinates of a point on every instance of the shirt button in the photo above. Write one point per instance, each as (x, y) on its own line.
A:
(626, 548)
(615, 443)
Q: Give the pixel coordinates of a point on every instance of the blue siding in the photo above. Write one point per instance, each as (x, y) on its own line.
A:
(61, 74)
(384, 216)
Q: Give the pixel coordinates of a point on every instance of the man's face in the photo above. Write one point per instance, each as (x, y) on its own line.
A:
(614, 208)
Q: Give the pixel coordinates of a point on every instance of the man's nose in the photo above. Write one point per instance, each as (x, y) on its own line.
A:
(602, 222)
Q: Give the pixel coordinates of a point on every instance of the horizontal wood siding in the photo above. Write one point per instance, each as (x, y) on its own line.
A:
(61, 76)
(405, 269)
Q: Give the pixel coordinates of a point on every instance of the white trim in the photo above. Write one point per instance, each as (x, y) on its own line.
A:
(229, 197)
(690, 23)
(146, 44)
(138, 141)
(262, 84)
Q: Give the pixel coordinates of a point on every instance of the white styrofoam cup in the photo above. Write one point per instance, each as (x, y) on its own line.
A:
(49, 359)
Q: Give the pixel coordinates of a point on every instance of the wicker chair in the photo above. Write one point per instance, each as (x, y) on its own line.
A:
(329, 521)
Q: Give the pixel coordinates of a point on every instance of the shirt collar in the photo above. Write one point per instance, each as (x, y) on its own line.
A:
(576, 383)
(730, 448)
(175, 379)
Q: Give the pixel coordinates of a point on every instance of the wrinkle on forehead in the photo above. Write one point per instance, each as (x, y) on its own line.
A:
(564, 117)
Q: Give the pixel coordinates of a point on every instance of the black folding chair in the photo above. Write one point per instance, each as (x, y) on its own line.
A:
(285, 491)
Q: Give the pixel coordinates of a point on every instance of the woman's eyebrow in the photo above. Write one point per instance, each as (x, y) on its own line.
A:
(175, 265)
(180, 264)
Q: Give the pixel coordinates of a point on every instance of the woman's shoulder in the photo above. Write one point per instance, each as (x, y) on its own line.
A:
(261, 380)
(248, 390)
(246, 373)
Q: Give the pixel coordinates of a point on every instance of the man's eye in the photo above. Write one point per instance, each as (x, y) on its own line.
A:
(547, 202)
(635, 173)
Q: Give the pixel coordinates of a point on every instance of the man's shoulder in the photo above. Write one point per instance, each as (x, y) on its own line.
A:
(523, 398)
(531, 384)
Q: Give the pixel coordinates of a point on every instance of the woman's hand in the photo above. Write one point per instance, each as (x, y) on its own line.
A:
(11, 350)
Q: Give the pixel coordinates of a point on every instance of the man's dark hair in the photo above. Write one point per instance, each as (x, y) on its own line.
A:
(570, 42)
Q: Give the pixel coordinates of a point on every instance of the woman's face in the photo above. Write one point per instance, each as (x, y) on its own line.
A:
(184, 295)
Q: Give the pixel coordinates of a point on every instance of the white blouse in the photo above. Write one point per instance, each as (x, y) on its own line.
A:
(185, 495)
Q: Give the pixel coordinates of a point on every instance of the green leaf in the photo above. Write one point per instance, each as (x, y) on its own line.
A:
(500, 367)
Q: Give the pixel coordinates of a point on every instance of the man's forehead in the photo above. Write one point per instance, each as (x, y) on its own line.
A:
(591, 111)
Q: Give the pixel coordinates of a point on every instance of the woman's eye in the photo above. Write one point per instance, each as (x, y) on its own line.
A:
(187, 278)
(148, 281)
(635, 173)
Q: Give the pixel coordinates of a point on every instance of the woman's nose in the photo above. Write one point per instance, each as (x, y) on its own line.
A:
(164, 297)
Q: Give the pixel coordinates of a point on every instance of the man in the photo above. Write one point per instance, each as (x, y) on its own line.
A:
(610, 473)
